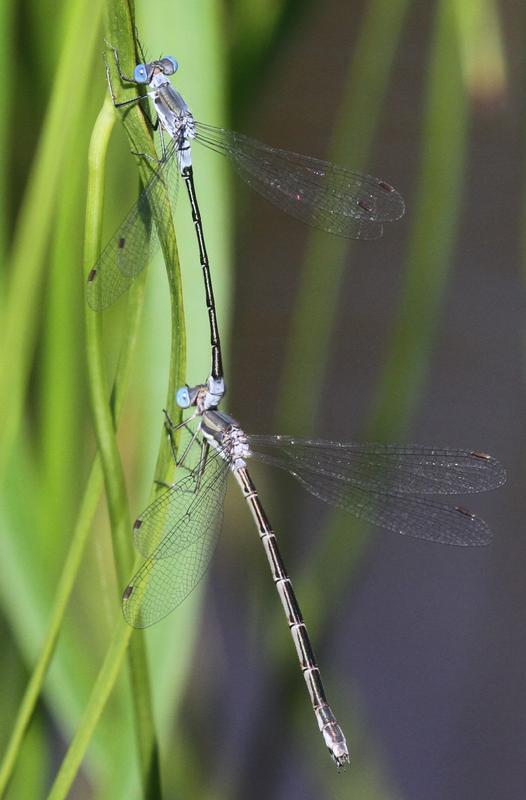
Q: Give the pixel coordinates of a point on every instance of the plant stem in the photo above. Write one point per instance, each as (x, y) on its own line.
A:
(110, 459)
(101, 691)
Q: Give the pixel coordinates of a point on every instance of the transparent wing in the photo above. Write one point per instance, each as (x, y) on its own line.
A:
(192, 521)
(135, 241)
(411, 516)
(169, 523)
(316, 192)
(408, 469)
(374, 482)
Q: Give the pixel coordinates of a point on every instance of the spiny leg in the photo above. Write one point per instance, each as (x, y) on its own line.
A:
(171, 428)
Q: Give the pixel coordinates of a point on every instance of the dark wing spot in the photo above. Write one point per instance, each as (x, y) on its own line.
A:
(366, 206)
(137, 524)
(386, 186)
(127, 592)
(91, 276)
(464, 511)
(122, 242)
(481, 455)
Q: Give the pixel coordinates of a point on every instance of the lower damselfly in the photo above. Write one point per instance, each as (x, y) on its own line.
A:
(319, 193)
(384, 484)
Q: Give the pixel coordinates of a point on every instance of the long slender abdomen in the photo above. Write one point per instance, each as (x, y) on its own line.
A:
(329, 727)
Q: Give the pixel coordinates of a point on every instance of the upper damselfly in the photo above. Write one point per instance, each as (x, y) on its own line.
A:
(319, 193)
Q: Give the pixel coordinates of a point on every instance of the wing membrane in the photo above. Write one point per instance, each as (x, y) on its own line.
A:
(191, 523)
(316, 192)
(135, 241)
(375, 483)
(418, 517)
(178, 514)
(408, 469)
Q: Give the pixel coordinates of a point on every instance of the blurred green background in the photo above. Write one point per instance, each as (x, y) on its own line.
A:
(415, 337)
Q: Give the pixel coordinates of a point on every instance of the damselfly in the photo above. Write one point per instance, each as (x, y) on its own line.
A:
(386, 485)
(316, 192)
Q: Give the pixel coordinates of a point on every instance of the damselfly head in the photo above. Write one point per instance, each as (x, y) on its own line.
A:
(143, 73)
(168, 65)
(186, 396)
(204, 396)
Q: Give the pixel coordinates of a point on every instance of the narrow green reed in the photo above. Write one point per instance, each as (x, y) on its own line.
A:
(325, 264)
(32, 774)
(104, 684)
(107, 445)
(6, 60)
(119, 18)
(482, 50)
(435, 219)
(257, 30)
(110, 459)
(27, 260)
(62, 386)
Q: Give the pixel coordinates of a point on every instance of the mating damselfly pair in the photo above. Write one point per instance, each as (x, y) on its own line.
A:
(386, 485)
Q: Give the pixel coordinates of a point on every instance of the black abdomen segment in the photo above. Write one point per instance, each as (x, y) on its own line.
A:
(217, 362)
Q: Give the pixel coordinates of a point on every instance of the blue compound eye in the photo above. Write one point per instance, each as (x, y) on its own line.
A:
(182, 398)
(140, 73)
(169, 65)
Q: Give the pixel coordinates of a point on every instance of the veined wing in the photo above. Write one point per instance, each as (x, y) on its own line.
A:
(406, 469)
(180, 513)
(378, 490)
(418, 517)
(181, 559)
(135, 241)
(321, 194)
